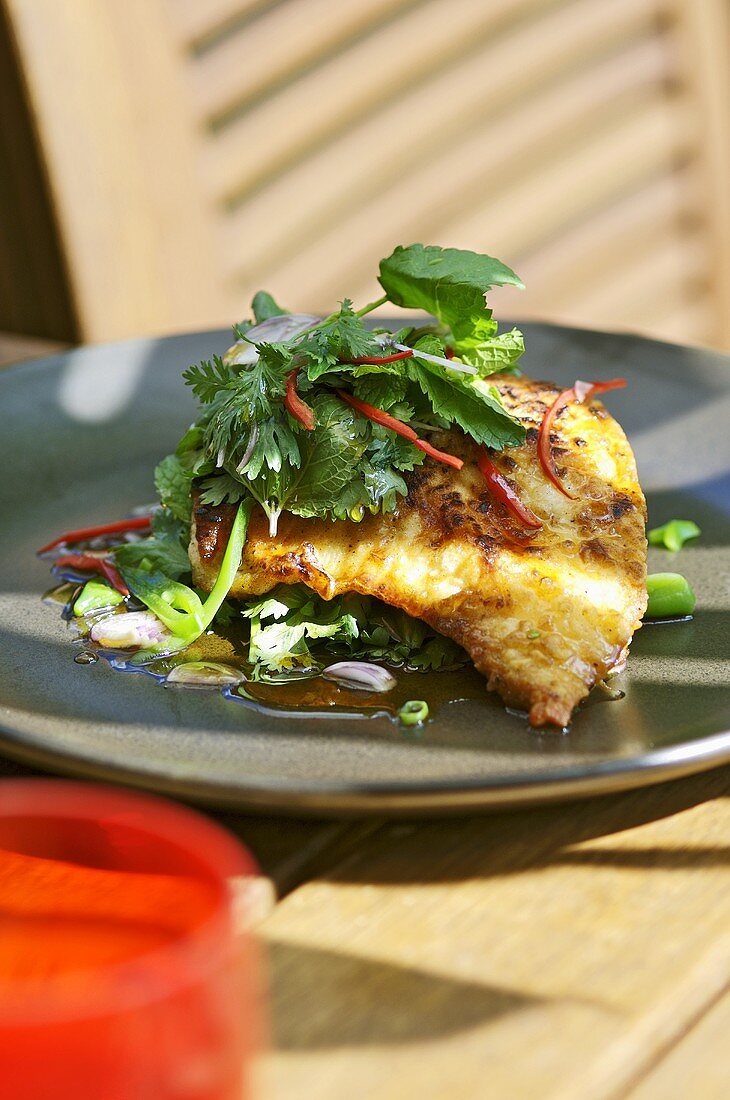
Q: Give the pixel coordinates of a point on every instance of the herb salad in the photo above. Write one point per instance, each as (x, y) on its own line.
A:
(533, 560)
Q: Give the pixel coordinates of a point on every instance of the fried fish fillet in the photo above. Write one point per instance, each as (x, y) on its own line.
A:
(544, 617)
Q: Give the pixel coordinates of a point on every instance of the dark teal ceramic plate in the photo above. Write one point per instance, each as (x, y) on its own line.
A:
(80, 436)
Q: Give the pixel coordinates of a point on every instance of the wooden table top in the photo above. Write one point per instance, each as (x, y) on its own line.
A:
(571, 952)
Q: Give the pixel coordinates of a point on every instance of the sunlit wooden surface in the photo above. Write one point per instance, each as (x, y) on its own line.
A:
(197, 150)
(559, 953)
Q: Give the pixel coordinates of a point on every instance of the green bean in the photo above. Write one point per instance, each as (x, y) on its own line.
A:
(413, 712)
(669, 595)
(673, 535)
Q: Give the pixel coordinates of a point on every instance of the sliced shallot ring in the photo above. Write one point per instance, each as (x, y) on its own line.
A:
(360, 674)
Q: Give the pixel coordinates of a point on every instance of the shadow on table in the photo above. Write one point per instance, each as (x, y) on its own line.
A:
(507, 843)
(356, 1001)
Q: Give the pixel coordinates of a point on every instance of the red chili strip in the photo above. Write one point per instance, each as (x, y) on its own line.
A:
(88, 563)
(83, 534)
(293, 403)
(377, 360)
(440, 456)
(502, 490)
(378, 416)
(580, 392)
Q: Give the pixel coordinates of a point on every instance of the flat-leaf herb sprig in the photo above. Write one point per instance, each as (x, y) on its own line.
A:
(313, 416)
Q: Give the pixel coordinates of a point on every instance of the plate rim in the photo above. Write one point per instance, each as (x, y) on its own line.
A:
(337, 797)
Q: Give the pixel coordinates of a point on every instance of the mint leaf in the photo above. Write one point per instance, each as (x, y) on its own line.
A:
(448, 282)
(264, 306)
(491, 353)
(329, 457)
(382, 390)
(172, 482)
(474, 406)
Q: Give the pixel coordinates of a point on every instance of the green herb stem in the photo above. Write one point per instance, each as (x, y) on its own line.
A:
(371, 306)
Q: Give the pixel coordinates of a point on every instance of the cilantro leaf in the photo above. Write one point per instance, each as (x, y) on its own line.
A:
(249, 396)
(220, 489)
(164, 551)
(208, 378)
(276, 447)
(172, 482)
(340, 340)
(292, 627)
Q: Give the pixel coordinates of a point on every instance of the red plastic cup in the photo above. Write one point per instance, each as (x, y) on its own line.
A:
(123, 975)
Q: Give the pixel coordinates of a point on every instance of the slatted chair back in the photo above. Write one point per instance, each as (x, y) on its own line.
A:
(196, 150)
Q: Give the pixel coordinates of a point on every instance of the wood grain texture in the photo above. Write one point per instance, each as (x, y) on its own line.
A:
(699, 1064)
(554, 954)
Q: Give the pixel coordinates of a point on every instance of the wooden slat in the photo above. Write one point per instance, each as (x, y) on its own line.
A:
(34, 296)
(283, 41)
(689, 322)
(546, 955)
(196, 20)
(495, 185)
(670, 268)
(423, 126)
(282, 129)
(699, 1065)
(609, 238)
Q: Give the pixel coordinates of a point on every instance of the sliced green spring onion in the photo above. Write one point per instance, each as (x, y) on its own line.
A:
(673, 535)
(178, 607)
(669, 595)
(95, 595)
(413, 712)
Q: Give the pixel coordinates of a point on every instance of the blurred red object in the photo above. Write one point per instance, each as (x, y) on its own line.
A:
(123, 975)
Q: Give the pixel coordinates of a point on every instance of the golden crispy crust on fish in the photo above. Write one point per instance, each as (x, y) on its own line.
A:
(543, 617)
